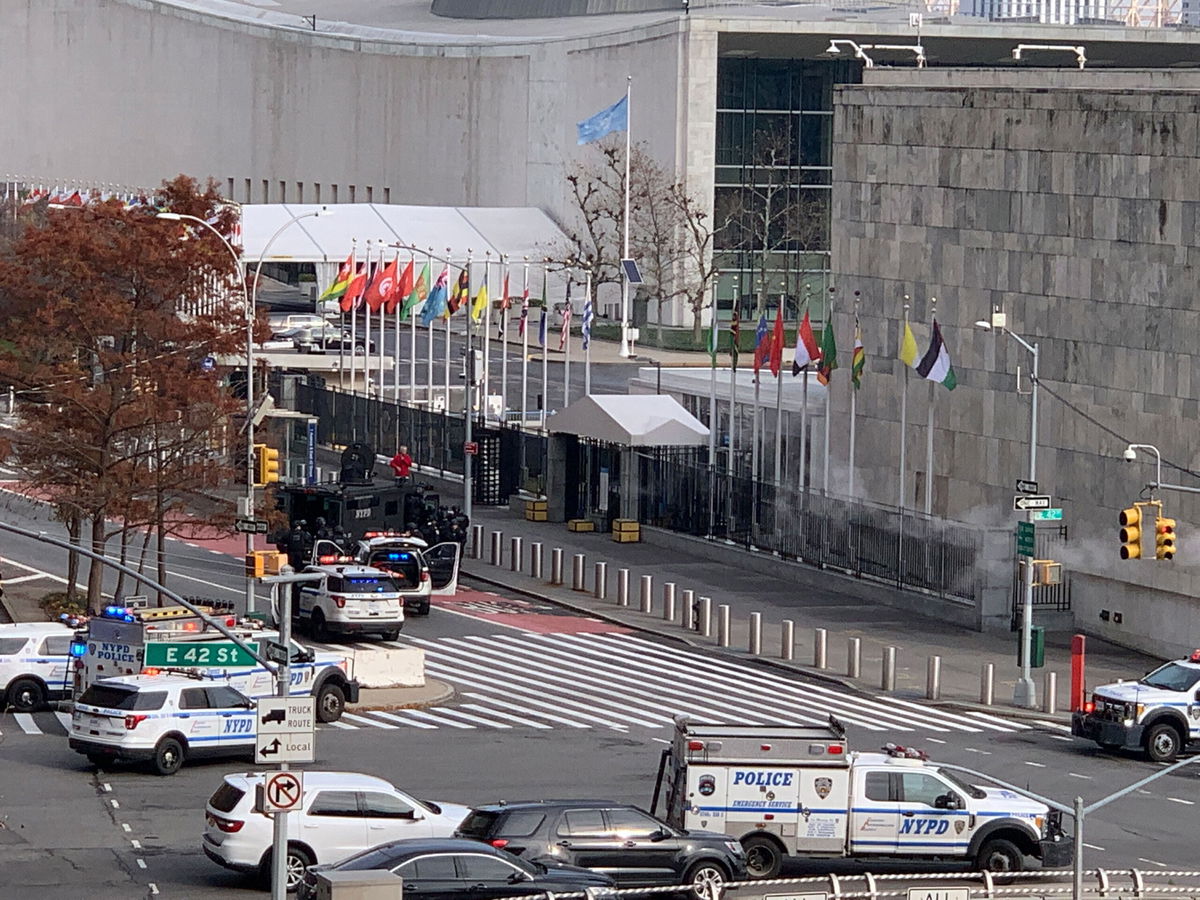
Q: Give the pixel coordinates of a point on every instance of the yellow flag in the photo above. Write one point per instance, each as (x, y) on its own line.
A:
(481, 302)
(908, 347)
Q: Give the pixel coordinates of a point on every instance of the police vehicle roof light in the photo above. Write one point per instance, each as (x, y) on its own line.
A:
(118, 612)
(1195, 657)
(835, 749)
(695, 745)
(78, 648)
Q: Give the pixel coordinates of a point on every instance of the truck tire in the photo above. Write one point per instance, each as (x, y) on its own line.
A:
(26, 695)
(706, 880)
(168, 756)
(999, 855)
(763, 857)
(1163, 742)
(331, 702)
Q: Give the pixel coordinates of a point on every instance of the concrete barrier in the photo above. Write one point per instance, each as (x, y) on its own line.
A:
(388, 667)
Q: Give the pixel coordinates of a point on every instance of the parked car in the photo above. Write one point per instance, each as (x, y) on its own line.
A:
(622, 841)
(341, 813)
(279, 322)
(333, 339)
(455, 869)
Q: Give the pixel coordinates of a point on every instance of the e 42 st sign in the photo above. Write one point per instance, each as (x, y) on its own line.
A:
(197, 654)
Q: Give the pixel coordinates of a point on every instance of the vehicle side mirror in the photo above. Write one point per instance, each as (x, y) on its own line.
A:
(947, 801)
(661, 835)
(517, 878)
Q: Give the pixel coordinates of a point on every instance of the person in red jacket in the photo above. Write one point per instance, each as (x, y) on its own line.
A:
(401, 464)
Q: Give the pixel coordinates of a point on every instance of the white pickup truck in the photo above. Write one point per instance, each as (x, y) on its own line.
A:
(791, 790)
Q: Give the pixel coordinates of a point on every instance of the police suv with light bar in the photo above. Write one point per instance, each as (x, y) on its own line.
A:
(795, 790)
(1159, 714)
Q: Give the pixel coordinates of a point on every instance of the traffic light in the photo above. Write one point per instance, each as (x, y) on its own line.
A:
(1137, 531)
(266, 464)
(1164, 538)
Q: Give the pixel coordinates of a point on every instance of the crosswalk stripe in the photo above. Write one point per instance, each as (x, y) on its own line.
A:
(26, 723)
(64, 720)
(392, 717)
(451, 711)
(997, 722)
(372, 723)
(342, 725)
(503, 715)
(431, 717)
(495, 701)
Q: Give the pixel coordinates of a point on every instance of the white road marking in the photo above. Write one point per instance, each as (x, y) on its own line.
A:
(373, 723)
(25, 720)
(1093, 847)
(401, 719)
(1003, 724)
(503, 715)
(1153, 862)
(1061, 737)
(933, 740)
(980, 752)
(661, 740)
(29, 568)
(496, 702)
(21, 578)
(115, 804)
(1143, 791)
(1036, 765)
(106, 787)
(65, 721)
(1184, 802)
(430, 717)
(1077, 775)
(341, 725)
(451, 711)
(153, 889)
(126, 827)
(141, 863)
(135, 843)
(1057, 726)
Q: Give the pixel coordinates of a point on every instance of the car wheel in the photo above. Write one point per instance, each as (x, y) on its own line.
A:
(331, 702)
(168, 756)
(706, 879)
(763, 857)
(999, 855)
(26, 695)
(1162, 743)
(423, 609)
(298, 859)
(360, 350)
(99, 760)
(317, 626)
(390, 635)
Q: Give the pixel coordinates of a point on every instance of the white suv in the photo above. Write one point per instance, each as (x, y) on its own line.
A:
(33, 664)
(163, 719)
(349, 599)
(341, 814)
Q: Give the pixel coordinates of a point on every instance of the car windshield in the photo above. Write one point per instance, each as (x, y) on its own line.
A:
(957, 781)
(116, 697)
(1173, 677)
(385, 856)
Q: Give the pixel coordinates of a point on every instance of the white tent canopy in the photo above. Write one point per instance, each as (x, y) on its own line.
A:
(632, 420)
(515, 232)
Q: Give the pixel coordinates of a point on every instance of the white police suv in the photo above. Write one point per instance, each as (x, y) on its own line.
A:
(349, 599)
(162, 719)
(1158, 714)
(34, 668)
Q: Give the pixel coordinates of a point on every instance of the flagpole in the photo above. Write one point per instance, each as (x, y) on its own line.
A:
(754, 431)
(804, 399)
(342, 315)
(412, 345)
(903, 410)
(733, 425)
(545, 341)
(367, 339)
(429, 360)
(825, 473)
(853, 400)
(399, 336)
(354, 325)
(779, 412)
(506, 319)
(487, 335)
(929, 429)
(382, 327)
(626, 344)
(712, 390)
(524, 345)
(587, 351)
(566, 327)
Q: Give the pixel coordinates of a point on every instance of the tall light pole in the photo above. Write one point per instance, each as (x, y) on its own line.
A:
(1024, 693)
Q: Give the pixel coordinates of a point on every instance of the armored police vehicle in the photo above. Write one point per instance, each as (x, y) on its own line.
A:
(801, 790)
(1158, 714)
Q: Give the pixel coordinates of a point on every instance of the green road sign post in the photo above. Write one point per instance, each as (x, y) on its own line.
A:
(198, 654)
(1025, 541)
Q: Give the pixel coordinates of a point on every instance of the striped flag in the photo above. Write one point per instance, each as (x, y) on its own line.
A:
(588, 315)
(935, 364)
(565, 333)
(735, 335)
(859, 358)
(505, 305)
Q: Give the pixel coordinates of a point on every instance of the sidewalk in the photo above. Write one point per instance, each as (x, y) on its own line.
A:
(811, 598)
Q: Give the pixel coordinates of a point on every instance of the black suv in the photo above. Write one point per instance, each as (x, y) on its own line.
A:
(629, 844)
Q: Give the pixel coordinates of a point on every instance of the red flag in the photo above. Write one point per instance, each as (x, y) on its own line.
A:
(353, 295)
(505, 300)
(382, 285)
(806, 347)
(777, 342)
(401, 290)
(461, 292)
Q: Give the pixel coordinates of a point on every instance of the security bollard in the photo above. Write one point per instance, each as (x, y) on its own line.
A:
(600, 581)
(723, 625)
(689, 615)
(476, 542)
(622, 587)
(705, 619)
(537, 567)
(647, 593)
(820, 646)
(754, 644)
(496, 556)
(933, 678)
(1050, 693)
(987, 684)
(787, 640)
(556, 566)
(854, 658)
(669, 601)
(578, 568)
(516, 553)
(888, 680)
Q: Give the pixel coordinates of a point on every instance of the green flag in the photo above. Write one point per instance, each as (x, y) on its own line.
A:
(419, 292)
(828, 354)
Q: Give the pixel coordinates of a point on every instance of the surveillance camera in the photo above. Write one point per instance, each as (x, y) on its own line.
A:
(1130, 454)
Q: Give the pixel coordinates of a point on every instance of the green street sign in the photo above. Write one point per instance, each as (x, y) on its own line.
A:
(1047, 515)
(1025, 539)
(198, 654)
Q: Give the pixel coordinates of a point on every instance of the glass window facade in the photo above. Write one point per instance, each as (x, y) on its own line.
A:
(773, 177)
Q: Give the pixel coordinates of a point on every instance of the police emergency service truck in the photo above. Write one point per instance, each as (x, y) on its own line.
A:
(792, 790)
(113, 644)
(1158, 714)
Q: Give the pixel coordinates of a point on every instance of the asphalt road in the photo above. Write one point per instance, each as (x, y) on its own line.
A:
(549, 704)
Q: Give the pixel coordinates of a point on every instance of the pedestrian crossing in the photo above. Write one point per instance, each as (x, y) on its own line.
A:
(620, 682)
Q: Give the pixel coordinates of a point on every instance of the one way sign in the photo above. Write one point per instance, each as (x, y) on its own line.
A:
(1022, 502)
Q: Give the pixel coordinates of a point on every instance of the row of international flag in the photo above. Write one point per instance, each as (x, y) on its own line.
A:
(387, 288)
(769, 346)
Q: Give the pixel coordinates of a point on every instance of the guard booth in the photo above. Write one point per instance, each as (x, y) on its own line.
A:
(592, 464)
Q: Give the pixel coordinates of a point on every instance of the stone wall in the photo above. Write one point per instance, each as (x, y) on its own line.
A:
(1075, 212)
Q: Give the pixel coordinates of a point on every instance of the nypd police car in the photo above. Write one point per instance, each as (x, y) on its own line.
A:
(1158, 714)
(161, 719)
(34, 668)
(349, 599)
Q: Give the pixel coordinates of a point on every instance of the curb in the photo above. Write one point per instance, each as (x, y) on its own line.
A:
(447, 692)
(8, 610)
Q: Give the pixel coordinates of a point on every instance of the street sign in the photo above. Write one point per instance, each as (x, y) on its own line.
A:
(285, 731)
(470, 448)
(1031, 501)
(1025, 486)
(274, 651)
(198, 654)
(929, 893)
(282, 792)
(1025, 542)
(1047, 515)
(208, 363)
(812, 895)
(250, 526)
(293, 747)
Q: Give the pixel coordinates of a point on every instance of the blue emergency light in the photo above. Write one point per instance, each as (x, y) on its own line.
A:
(402, 557)
(78, 648)
(120, 613)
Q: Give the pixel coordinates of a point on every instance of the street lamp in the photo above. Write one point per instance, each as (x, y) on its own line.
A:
(835, 48)
(1024, 693)
(1080, 55)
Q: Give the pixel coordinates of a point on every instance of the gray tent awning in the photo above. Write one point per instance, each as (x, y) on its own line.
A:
(632, 420)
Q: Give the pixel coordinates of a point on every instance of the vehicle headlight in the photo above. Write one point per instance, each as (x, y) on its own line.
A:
(735, 848)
